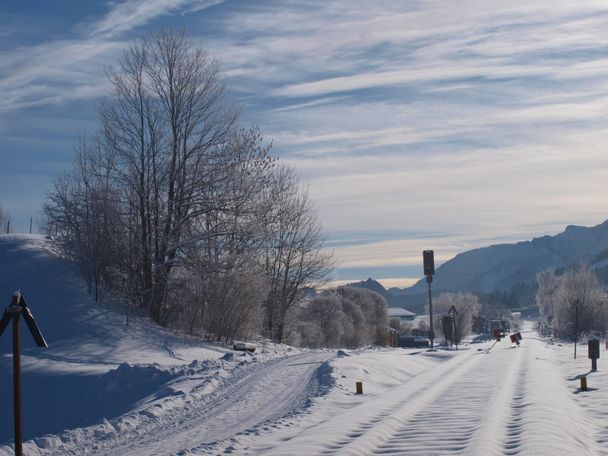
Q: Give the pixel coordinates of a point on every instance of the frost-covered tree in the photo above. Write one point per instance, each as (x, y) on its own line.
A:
(294, 258)
(466, 305)
(579, 304)
(374, 309)
(83, 213)
(546, 294)
(321, 322)
(167, 123)
(180, 210)
(344, 317)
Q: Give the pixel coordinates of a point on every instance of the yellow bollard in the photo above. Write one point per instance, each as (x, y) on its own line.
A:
(583, 383)
(359, 387)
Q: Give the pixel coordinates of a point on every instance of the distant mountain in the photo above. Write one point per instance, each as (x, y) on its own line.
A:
(501, 267)
(373, 285)
(392, 296)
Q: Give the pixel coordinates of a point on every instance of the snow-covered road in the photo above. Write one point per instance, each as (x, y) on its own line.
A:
(268, 391)
(512, 400)
(255, 393)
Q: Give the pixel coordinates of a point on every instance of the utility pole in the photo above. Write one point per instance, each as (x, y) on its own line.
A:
(429, 271)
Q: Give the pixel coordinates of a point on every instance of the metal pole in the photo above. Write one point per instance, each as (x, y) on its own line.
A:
(17, 385)
(31, 220)
(429, 279)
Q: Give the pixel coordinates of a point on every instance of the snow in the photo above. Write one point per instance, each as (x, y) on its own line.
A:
(399, 312)
(104, 388)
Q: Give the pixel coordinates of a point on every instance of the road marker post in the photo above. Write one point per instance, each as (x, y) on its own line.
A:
(359, 386)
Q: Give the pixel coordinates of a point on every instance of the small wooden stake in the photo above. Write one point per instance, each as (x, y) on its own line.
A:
(583, 383)
(359, 387)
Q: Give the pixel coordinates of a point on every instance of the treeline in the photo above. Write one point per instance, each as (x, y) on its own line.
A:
(572, 302)
(342, 317)
(179, 210)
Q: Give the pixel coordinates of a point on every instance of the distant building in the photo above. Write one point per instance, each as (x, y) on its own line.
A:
(401, 313)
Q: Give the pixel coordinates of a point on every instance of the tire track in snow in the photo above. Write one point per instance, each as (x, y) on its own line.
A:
(375, 421)
(463, 406)
(494, 434)
(263, 391)
(455, 417)
(514, 405)
(271, 391)
(515, 424)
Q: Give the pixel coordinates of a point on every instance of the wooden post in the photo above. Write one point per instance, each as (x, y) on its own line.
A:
(583, 383)
(359, 387)
(17, 386)
(13, 312)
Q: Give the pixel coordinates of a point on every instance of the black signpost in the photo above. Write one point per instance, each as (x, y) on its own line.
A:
(429, 271)
(18, 308)
(453, 313)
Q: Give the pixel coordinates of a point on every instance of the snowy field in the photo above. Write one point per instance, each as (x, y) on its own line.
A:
(104, 388)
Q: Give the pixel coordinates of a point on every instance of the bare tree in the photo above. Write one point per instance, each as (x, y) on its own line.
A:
(178, 209)
(293, 253)
(344, 317)
(374, 309)
(466, 305)
(546, 294)
(168, 124)
(82, 211)
(578, 299)
(321, 322)
(4, 220)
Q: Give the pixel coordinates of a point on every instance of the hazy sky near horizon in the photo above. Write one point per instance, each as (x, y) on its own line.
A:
(426, 124)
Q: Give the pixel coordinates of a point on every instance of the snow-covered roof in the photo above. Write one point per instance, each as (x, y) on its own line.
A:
(399, 312)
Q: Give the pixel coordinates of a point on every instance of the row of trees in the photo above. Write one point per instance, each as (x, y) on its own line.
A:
(572, 303)
(343, 317)
(181, 211)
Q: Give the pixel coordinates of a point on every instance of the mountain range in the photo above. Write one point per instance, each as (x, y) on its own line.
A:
(500, 268)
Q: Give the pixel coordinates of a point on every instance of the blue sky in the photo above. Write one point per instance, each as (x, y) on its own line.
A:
(416, 125)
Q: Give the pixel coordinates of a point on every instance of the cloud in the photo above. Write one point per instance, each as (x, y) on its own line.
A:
(71, 69)
(125, 16)
(483, 123)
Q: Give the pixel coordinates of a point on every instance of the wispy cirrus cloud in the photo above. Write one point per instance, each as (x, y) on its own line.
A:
(125, 16)
(485, 124)
(72, 69)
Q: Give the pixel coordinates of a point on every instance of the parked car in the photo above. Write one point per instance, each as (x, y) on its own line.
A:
(244, 346)
(414, 342)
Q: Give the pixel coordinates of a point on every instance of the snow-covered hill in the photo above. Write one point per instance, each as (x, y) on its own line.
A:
(131, 380)
(499, 267)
